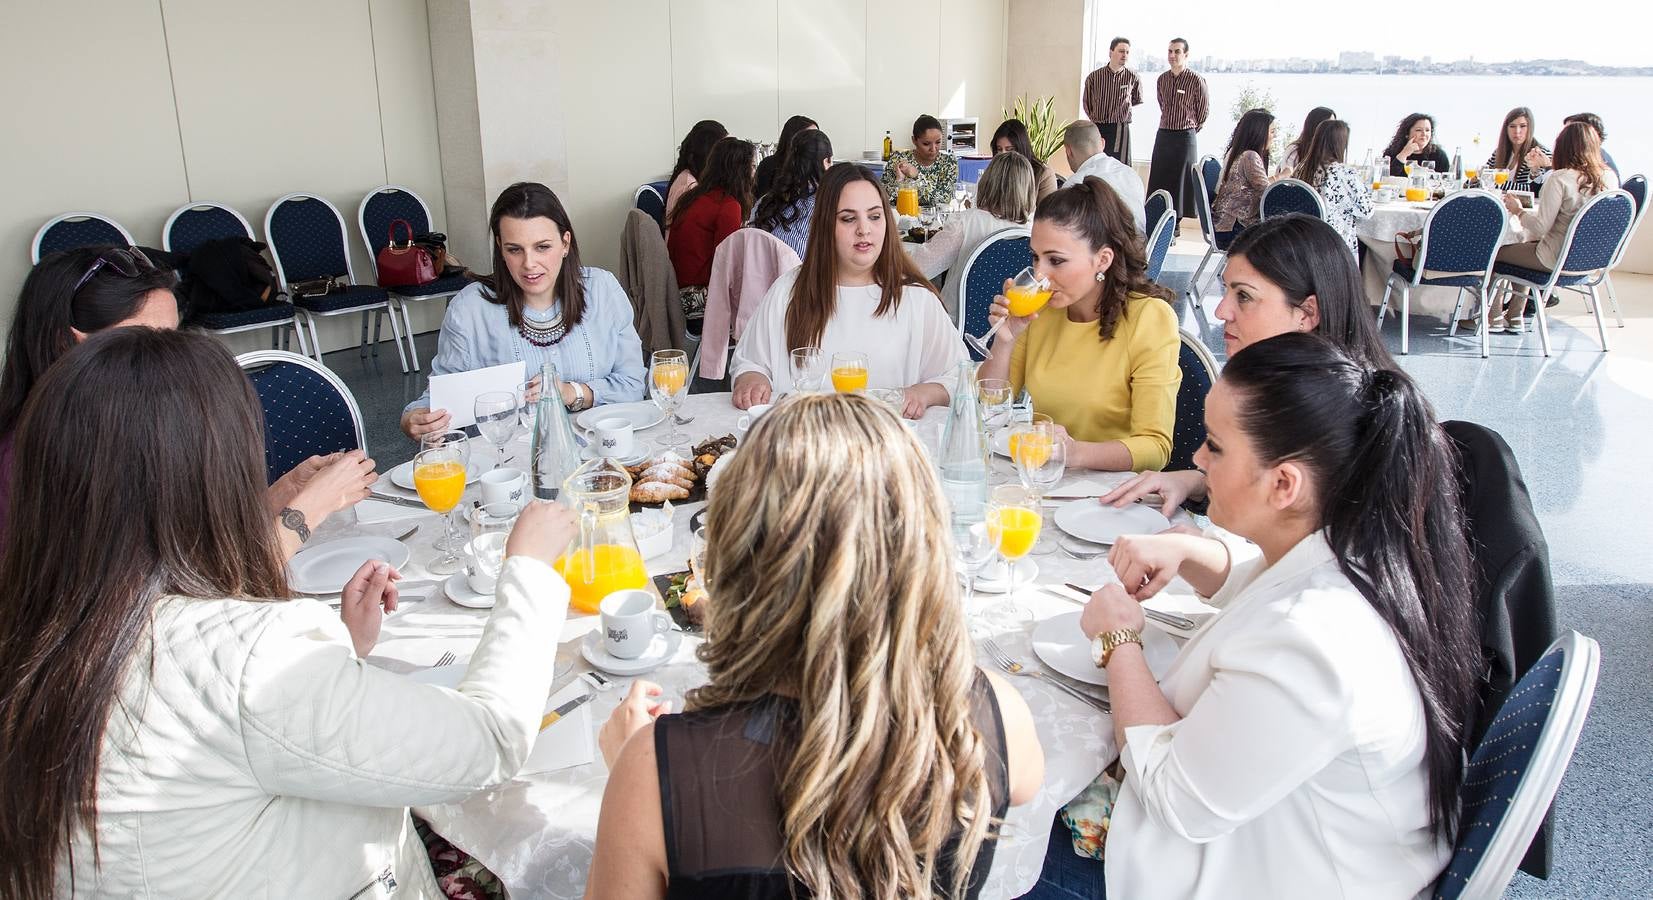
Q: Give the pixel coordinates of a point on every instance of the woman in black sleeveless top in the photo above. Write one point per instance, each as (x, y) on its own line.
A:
(845, 745)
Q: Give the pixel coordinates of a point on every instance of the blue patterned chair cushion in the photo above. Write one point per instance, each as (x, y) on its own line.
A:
(357, 295)
(70, 234)
(1535, 276)
(308, 240)
(1155, 207)
(447, 284)
(304, 416)
(1404, 268)
(194, 227)
(1161, 247)
(653, 202)
(1210, 171)
(999, 260)
(385, 207)
(1188, 433)
(1290, 198)
(274, 312)
(1497, 767)
(1636, 187)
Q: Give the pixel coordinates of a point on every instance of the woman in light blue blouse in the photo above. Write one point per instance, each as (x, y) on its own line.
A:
(540, 305)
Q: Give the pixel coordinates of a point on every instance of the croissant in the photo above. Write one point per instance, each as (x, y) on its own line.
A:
(657, 492)
(670, 473)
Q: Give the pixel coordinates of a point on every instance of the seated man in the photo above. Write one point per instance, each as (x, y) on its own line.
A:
(1083, 144)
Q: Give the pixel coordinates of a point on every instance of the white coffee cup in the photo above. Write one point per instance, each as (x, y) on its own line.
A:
(630, 623)
(614, 437)
(505, 485)
(484, 557)
(752, 413)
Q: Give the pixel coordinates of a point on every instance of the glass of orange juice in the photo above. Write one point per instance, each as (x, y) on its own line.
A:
(1041, 458)
(1026, 294)
(668, 382)
(849, 372)
(461, 442)
(1501, 177)
(439, 477)
(1013, 521)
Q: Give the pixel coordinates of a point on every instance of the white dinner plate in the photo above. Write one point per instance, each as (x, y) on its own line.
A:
(1099, 523)
(641, 414)
(1060, 644)
(325, 568)
(661, 649)
(402, 475)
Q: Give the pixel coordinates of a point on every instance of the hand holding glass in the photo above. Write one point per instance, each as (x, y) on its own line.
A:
(1028, 293)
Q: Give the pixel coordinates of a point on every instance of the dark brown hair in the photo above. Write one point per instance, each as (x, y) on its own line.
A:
(1403, 134)
(532, 200)
(728, 169)
(1094, 212)
(691, 154)
(815, 293)
(1021, 142)
(1319, 114)
(1507, 155)
(1326, 149)
(1579, 148)
(50, 310)
(110, 512)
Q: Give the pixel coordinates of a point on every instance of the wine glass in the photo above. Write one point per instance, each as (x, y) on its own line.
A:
(1028, 293)
(808, 370)
(849, 372)
(1013, 520)
(974, 547)
(439, 476)
(994, 396)
(496, 418)
(1041, 458)
(459, 442)
(668, 382)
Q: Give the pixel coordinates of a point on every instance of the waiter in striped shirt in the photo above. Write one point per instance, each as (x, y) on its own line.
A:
(1184, 102)
(1110, 92)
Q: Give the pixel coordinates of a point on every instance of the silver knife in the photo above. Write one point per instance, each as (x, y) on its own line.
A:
(396, 501)
(556, 715)
(1171, 619)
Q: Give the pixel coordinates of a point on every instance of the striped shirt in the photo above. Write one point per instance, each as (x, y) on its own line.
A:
(1109, 95)
(1183, 100)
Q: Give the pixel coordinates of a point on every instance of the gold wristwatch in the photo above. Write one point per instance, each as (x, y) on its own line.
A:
(1104, 644)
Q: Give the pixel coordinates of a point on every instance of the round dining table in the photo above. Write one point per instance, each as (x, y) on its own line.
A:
(537, 832)
(1377, 232)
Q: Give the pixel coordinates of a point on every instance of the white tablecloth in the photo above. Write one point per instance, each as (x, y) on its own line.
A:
(1378, 234)
(537, 832)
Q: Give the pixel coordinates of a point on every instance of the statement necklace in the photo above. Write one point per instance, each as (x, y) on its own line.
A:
(542, 335)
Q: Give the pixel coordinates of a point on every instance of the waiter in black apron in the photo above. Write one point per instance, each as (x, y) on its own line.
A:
(1184, 103)
(1110, 92)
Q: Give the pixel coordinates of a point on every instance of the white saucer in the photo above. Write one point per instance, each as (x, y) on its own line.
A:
(1099, 523)
(402, 475)
(458, 589)
(1060, 644)
(641, 414)
(661, 649)
(1026, 569)
(590, 453)
(325, 568)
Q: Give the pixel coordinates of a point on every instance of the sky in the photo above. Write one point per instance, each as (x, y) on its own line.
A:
(1445, 32)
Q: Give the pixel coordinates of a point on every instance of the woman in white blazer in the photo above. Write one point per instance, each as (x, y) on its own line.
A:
(174, 724)
(1307, 742)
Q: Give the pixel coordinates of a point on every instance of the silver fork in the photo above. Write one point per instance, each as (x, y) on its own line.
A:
(445, 659)
(1014, 667)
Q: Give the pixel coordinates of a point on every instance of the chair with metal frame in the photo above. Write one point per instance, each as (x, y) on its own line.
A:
(1208, 230)
(1595, 239)
(1199, 373)
(651, 198)
(1155, 206)
(308, 410)
(1160, 236)
(1291, 195)
(192, 225)
(1000, 256)
(382, 206)
(1636, 187)
(77, 229)
(1460, 243)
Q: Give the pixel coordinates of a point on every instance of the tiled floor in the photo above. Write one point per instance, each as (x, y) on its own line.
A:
(1581, 424)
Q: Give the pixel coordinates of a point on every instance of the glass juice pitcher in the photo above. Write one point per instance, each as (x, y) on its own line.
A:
(1417, 185)
(605, 558)
(906, 197)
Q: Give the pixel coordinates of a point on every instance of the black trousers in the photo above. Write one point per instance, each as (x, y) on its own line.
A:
(1174, 152)
(1116, 137)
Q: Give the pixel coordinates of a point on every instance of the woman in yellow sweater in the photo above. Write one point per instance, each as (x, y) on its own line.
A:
(1101, 359)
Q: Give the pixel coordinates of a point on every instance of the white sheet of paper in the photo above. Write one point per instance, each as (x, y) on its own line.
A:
(457, 392)
(568, 742)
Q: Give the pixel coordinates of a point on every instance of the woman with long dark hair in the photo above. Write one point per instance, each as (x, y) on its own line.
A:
(1293, 155)
(772, 164)
(844, 744)
(1239, 199)
(1345, 193)
(787, 208)
(75, 293)
(1101, 357)
(1414, 142)
(175, 723)
(1519, 150)
(1011, 137)
(691, 158)
(856, 292)
(1287, 274)
(707, 213)
(538, 305)
(1322, 719)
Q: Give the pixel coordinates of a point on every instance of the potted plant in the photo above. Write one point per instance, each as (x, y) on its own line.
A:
(1044, 130)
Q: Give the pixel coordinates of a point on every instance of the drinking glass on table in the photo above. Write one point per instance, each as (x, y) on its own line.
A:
(460, 443)
(974, 547)
(808, 370)
(439, 476)
(668, 382)
(528, 399)
(849, 372)
(1028, 293)
(1041, 458)
(1013, 521)
(496, 419)
(994, 396)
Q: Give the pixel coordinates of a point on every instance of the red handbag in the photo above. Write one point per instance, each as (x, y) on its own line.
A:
(405, 265)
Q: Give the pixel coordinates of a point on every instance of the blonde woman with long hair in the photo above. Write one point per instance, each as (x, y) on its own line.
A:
(845, 744)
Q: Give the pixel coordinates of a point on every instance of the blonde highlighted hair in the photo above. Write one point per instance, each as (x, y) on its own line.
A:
(830, 561)
(1007, 188)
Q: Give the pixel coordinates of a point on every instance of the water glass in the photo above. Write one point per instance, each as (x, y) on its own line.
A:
(808, 370)
(496, 418)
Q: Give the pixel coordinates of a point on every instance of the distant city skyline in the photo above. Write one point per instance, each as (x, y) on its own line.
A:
(1366, 62)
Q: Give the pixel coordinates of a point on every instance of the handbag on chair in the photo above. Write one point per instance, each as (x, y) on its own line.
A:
(408, 264)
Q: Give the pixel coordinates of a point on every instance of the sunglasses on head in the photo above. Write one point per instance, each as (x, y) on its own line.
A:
(126, 261)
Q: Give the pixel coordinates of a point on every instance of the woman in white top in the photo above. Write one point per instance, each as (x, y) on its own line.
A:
(1004, 199)
(1347, 197)
(1308, 741)
(1579, 174)
(856, 292)
(176, 723)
